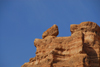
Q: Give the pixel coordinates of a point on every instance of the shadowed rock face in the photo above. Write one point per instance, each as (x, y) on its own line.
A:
(81, 49)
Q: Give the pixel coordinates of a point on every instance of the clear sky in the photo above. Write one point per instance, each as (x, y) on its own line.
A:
(21, 21)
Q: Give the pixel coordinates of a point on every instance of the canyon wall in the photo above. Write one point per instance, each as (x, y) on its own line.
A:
(81, 49)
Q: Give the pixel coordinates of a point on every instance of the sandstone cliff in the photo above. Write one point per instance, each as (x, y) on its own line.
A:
(81, 49)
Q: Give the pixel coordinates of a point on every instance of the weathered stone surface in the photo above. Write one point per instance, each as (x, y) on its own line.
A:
(52, 31)
(81, 49)
(85, 27)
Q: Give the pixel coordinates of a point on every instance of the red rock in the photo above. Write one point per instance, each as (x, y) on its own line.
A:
(85, 27)
(53, 31)
(81, 49)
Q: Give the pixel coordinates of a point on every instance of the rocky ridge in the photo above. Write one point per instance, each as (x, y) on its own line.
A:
(81, 49)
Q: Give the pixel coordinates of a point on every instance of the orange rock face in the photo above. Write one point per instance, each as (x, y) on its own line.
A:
(53, 31)
(81, 49)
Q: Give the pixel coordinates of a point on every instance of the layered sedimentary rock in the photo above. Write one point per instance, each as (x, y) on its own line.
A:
(81, 49)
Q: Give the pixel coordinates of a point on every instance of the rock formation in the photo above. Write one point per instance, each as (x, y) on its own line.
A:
(81, 49)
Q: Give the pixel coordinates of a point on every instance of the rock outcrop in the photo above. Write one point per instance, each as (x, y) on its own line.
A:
(81, 49)
(53, 31)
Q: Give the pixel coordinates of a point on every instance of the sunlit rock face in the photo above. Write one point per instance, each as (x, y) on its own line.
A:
(81, 49)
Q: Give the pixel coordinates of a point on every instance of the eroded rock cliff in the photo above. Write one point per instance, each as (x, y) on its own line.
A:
(81, 49)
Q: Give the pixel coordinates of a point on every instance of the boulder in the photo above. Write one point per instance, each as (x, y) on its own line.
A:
(52, 31)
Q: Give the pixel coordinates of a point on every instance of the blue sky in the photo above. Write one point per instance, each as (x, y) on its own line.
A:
(21, 21)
